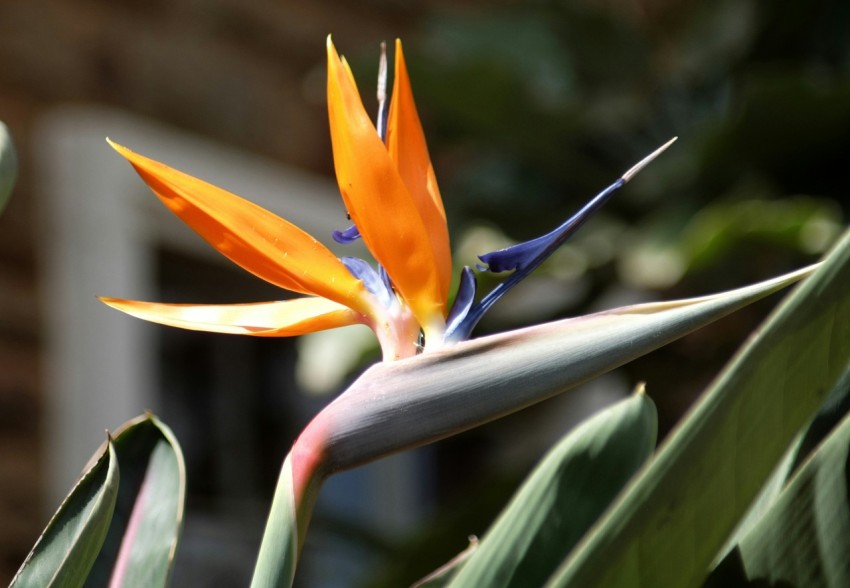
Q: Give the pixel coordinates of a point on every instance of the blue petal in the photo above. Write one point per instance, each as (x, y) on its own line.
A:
(371, 279)
(461, 305)
(525, 258)
(347, 236)
(512, 257)
(534, 252)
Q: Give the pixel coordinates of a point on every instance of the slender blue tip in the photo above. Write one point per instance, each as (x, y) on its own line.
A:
(524, 258)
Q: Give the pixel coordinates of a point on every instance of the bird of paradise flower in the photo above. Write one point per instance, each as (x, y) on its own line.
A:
(389, 188)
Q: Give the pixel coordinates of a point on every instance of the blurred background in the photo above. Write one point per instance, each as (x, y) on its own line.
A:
(529, 108)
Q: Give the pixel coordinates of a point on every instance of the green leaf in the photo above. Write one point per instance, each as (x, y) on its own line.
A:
(675, 517)
(8, 166)
(833, 410)
(120, 533)
(829, 415)
(142, 540)
(804, 539)
(563, 497)
(765, 499)
(403, 404)
(275, 567)
(68, 547)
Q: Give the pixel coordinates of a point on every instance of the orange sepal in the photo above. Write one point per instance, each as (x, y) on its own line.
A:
(286, 318)
(409, 151)
(379, 202)
(251, 236)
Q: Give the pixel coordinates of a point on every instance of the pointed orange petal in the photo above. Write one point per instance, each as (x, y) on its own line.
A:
(379, 202)
(262, 319)
(408, 150)
(250, 236)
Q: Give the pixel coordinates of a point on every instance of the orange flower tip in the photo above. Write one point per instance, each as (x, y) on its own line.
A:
(332, 52)
(123, 151)
(108, 301)
(117, 303)
(114, 303)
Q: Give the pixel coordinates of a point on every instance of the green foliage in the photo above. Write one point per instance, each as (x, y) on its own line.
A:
(563, 497)
(687, 502)
(140, 546)
(673, 520)
(803, 538)
(69, 545)
(120, 524)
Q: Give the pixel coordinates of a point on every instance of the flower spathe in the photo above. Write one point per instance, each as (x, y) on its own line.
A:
(390, 190)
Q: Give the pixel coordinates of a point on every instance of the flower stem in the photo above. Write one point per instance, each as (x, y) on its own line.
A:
(301, 477)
